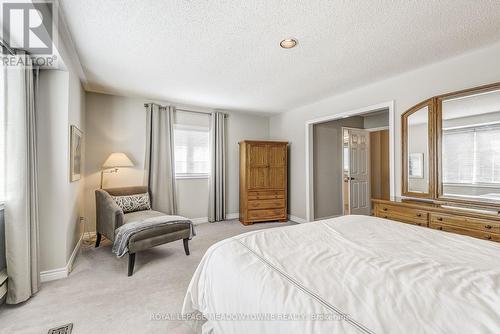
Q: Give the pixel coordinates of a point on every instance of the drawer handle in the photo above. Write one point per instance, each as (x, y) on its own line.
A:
(488, 227)
(419, 215)
(488, 237)
(385, 209)
(440, 228)
(440, 219)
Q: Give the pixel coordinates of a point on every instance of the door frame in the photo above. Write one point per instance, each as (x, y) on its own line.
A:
(309, 148)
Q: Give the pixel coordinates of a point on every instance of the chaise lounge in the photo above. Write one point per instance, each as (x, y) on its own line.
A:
(110, 216)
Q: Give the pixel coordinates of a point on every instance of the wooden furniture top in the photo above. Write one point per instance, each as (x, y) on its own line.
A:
(264, 142)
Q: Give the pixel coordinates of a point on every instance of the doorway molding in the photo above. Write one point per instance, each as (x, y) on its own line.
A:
(310, 148)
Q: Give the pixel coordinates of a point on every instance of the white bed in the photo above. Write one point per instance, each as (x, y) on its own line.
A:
(369, 275)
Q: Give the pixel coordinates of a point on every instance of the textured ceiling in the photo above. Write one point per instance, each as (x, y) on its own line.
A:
(225, 54)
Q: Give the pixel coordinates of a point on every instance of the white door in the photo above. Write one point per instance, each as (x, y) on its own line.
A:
(358, 173)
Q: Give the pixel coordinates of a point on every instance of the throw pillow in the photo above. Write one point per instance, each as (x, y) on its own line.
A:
(131, 203)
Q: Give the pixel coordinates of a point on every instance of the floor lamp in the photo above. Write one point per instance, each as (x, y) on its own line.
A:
(113, 162)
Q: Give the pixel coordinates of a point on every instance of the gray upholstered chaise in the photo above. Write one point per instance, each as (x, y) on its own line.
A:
(109, 216)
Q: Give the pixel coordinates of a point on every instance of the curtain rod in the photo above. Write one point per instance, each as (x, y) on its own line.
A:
(185, 110)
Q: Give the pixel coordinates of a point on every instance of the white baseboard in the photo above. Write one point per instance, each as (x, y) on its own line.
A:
(297, 219)
(58, 273)
(201, 220)
(235, 215)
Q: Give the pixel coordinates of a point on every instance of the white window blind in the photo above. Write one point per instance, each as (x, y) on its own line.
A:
(192, 156)
(472, 155)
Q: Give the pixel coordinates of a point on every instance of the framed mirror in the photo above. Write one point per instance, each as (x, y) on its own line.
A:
(468, 146)
(418, 150)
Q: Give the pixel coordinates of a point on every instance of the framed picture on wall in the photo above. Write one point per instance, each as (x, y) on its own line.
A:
(416, 166)
(75, 153)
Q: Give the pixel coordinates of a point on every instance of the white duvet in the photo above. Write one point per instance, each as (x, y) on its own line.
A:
(353, 274)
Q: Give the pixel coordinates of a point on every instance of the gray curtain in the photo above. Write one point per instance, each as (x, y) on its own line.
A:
(160, 163)
(21, 203)
(217, 195)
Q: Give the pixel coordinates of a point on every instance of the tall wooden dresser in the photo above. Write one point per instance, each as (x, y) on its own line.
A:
(263, 181)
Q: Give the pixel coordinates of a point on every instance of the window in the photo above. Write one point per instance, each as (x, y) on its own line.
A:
(192, 153)
(472, 155)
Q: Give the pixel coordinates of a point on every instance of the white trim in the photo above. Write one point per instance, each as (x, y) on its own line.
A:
(58, 273)
(197, 221)
(54, 274)
(202, 220)
(235, 215)
(296, 219)
(309, 148)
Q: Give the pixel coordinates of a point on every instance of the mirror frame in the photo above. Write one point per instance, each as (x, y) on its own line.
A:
(439, 134)
(430, 103)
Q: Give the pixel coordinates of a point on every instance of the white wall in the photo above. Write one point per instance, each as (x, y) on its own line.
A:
(118, 124)
(468, 70)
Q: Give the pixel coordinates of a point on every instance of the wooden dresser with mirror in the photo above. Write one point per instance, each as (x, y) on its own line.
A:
(451, 165)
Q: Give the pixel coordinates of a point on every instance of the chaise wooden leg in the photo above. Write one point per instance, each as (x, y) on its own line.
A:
(186, 246)
(98, 239)
(131, 262)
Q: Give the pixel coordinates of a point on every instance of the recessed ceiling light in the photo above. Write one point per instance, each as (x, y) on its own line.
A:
(288, 43)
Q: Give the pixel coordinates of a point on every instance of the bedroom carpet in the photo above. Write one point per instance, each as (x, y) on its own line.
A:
(98, 297)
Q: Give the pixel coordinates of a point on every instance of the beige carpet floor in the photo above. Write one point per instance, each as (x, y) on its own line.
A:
(98, 297)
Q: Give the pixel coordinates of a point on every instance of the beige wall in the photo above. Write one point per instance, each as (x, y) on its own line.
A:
(61, 104)
(114, 124)
(117, 124)
(468, 70)
(327, 162)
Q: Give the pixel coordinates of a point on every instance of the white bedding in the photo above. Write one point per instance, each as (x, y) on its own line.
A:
(368, 274)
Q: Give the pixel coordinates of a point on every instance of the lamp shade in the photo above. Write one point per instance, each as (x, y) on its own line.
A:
(117, 160)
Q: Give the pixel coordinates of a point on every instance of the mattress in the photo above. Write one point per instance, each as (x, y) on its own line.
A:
(351, 274)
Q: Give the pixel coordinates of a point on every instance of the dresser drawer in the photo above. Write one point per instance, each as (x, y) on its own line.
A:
(470, 232)
(402, 212)
(403, 219)
(260, 195)
(465, 222)
(266, 214)
(266, 204)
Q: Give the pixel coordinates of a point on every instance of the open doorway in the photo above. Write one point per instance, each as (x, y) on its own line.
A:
(351, 164)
